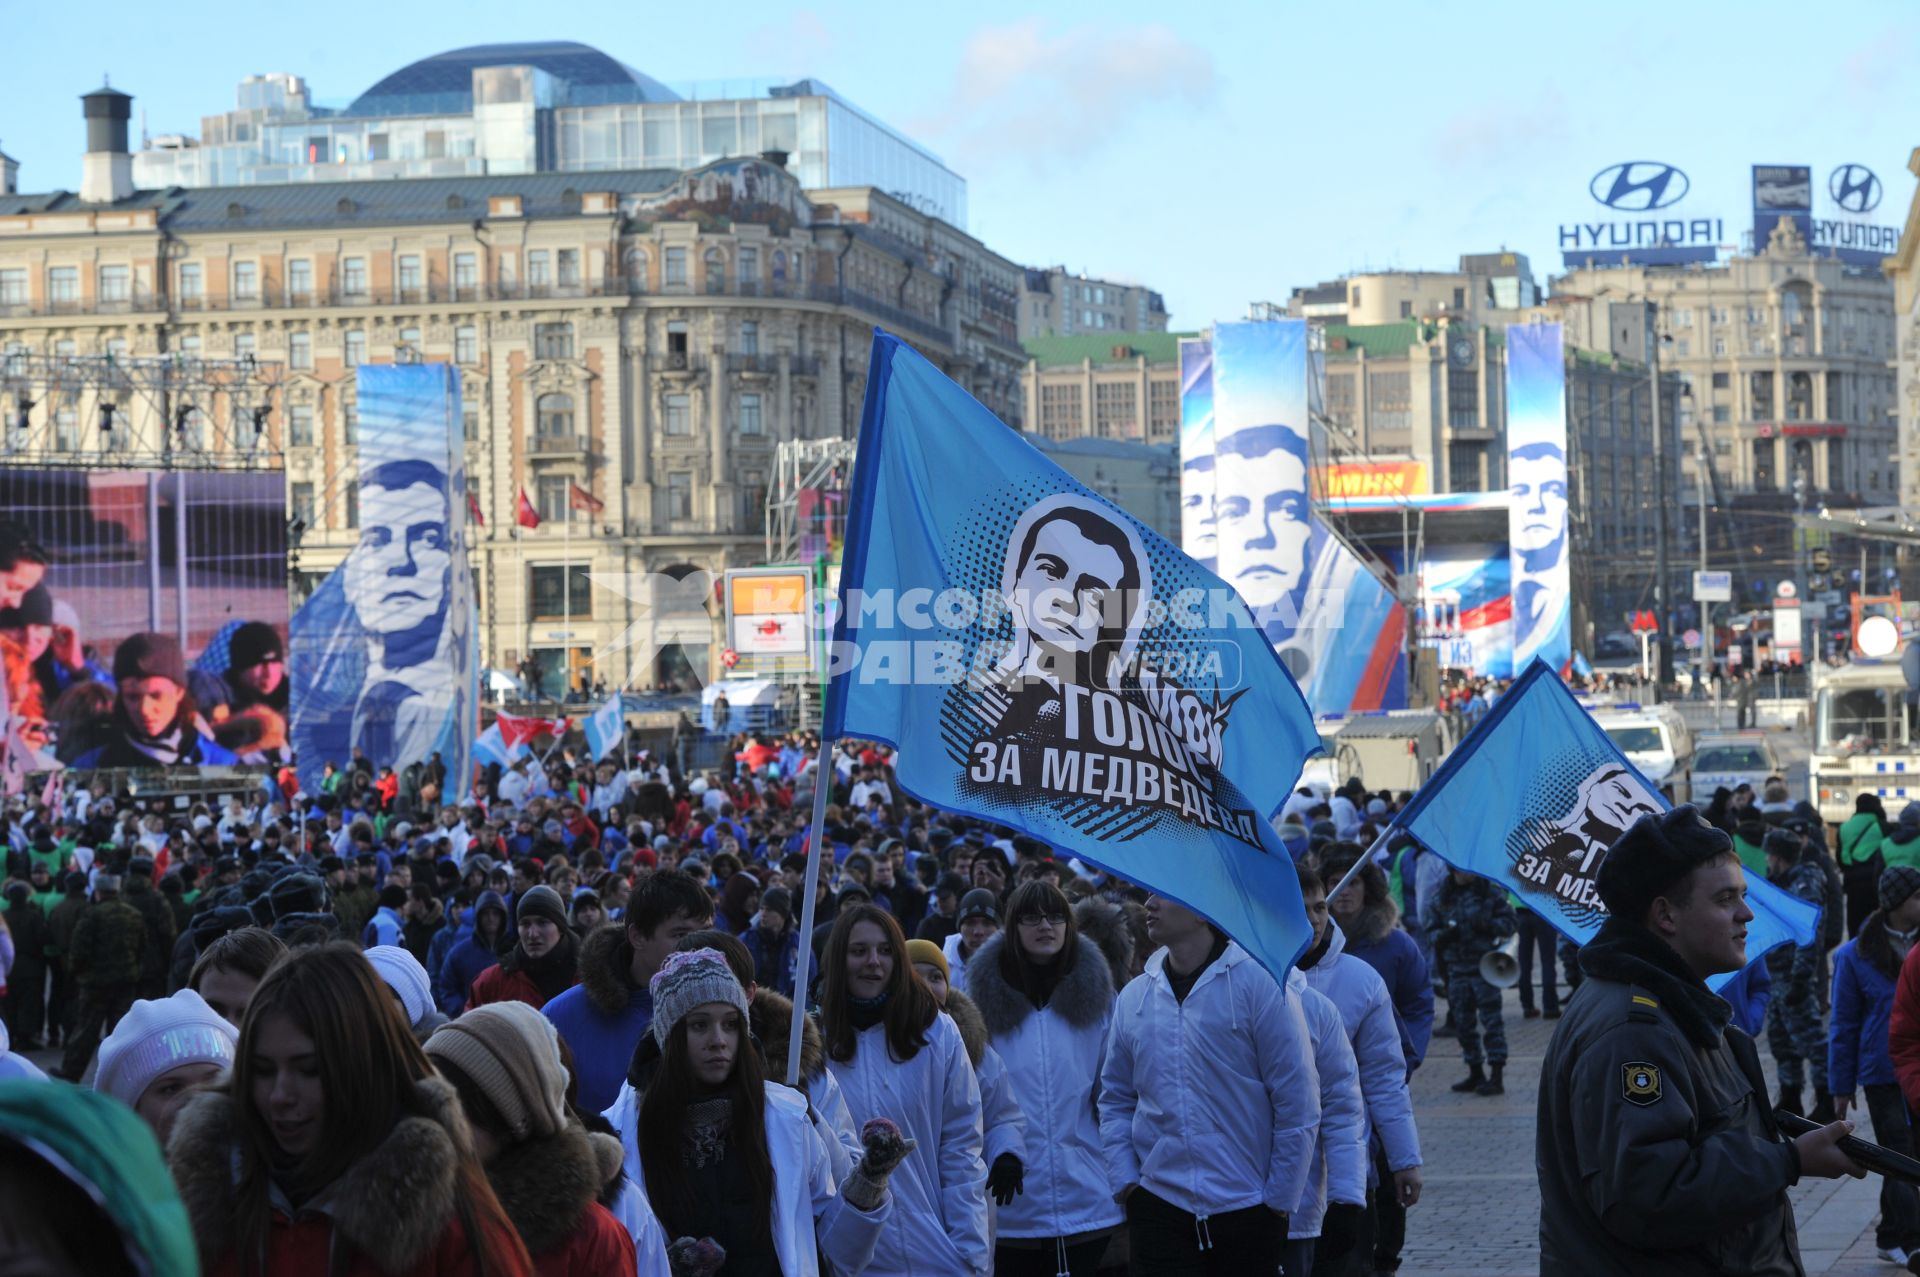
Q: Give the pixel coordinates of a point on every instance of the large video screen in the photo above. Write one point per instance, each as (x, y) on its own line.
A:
(156, 636)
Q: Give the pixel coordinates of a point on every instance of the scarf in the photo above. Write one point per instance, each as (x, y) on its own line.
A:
(553, 972)
(864, 1013)
(169, 749)
(704, 1130)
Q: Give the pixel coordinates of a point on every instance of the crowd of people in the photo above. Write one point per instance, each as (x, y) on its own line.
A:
(560, 1013)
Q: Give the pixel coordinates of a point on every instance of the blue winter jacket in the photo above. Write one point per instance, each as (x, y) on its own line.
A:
(1862, 1010)
(773, 959)
(468, 958)
(603, 1018)
(1377, 941)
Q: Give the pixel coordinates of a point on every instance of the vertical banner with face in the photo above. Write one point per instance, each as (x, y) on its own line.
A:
(1537, 475)
(385, 652)
(1196, 452)
(1338, 629)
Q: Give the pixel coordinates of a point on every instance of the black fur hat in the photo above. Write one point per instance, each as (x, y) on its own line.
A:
(1656, 852)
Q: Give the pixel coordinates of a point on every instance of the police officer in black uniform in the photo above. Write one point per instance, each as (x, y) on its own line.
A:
(1657, 1150)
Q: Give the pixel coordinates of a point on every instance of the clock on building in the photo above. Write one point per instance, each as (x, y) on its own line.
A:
(1460, 350)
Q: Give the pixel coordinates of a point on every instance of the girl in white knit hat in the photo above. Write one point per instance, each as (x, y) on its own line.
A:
(161, 1053)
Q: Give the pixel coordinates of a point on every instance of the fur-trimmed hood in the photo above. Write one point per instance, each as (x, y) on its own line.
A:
(1082, 996)
(392, 1205)
(1373, 922)
(1105, 923)
(966, 1017)
(770, 1016)
(606, 966)
(546, 1185)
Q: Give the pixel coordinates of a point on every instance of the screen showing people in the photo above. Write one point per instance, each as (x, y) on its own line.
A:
(87, 679)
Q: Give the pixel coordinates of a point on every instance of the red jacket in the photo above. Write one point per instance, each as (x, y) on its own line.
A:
(497, 984)
(597, 1247)
(1903, 1036)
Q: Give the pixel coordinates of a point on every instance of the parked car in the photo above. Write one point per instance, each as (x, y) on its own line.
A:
(1734, 759)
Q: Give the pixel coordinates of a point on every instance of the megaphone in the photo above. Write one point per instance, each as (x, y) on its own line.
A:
(1501, 967)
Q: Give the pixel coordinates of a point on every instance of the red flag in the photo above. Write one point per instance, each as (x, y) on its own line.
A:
(473, 509)
(517, 731)
(578, 498)
(528, 517)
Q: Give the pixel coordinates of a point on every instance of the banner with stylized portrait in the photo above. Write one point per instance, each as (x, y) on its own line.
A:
(1045, 661)
(385, 653)
(1337, 627)
(1537, 479)
(1544, 839)
(1196, 452)
(1466, 608)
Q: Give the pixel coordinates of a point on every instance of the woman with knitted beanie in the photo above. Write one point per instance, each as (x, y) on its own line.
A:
(896, 1055)
(547, 1171)
(730, 1163)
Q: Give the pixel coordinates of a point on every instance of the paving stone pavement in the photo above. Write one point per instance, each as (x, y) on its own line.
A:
(1479, 1215)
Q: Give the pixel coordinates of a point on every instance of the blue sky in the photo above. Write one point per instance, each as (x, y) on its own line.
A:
(1221, 152)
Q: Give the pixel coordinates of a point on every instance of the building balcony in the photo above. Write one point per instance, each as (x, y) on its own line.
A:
(765, 365)
(557, 447)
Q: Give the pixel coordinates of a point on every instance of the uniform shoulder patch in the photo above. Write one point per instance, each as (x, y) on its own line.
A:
(1641, 999)
(1640, 1083)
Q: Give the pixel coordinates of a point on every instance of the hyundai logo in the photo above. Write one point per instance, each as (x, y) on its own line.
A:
(1639, 186)
(1854, 188)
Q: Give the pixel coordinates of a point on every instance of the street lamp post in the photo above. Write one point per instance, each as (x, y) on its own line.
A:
(1661, 583)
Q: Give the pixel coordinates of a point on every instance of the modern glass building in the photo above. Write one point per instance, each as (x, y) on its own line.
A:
(544, 107)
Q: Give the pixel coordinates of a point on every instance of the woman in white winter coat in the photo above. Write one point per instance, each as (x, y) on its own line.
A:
(1046, 995)
(896, 1055)
(730, 1163)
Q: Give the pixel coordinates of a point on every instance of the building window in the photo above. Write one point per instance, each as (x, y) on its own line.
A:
(1464, 462)
(190, 345)
(676, 268)
(409, 275)
(539, 269)
(466, 273)
(300, 278)
(1721, 414)
(1763, 480)
(553, 416)
(1463, 402)
(1163, 407)
(1721, 381)
(569, 267)
(246, 281)
(750, 415)
(192, 285)
(349, 427)
(470, 423)
(300, 349)
(716, 271)
(300, 426)
(1682, 347)
(193, 431)
(117, 348)
(466, 344)
(1406, 309)
(407, 349)
(350, 505)
(679, 415)
(636, 270)
(749, 337)
(1389, 402)
(13, 287)
(63, 285)
(302, 504)
(353, 276)
(66, 429)
(553, 341)
(550, 498)
(1836, 465)
(1061, 415)
(245, 346)
(780, 271)
(116, 283)
(749, 267)
(552, 595)
(680, 494)
(1116, 410)
(356, 344)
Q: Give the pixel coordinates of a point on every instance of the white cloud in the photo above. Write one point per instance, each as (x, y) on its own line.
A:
(1027, 94)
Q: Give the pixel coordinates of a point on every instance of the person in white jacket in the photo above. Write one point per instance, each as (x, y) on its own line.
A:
(1209, 1104)
(896, 1055)
(730, 1163)
(1338, 1188)
(1046, 994)
(1366, 1008)
(979, 922)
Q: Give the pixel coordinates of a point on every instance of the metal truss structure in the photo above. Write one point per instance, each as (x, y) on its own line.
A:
(800, 465)
(110, 412)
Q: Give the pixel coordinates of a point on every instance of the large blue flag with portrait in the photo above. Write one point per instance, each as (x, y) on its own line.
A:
(1044, 661)
(384, 655)
(1535, 795)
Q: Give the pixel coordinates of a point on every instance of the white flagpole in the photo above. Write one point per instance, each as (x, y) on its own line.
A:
(566, 599)
(816, 852)
(1365, 856)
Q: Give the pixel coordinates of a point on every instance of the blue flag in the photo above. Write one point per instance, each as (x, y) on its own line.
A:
(604, 728)
(1535, 795)
(1044, 661)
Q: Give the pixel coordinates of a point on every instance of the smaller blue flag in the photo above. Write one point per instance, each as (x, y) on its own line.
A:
(490, 747)
(604, 728)
(1535, 795)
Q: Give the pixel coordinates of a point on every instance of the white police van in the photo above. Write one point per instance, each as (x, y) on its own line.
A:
(1656, 740)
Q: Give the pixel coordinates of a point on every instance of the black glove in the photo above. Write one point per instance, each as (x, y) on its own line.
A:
(1006, 1179)
(1340, 1231)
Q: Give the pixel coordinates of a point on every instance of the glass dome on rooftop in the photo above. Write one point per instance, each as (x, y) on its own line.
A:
(443, 84)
